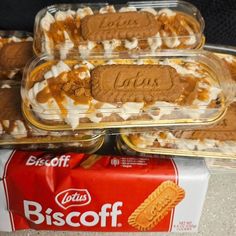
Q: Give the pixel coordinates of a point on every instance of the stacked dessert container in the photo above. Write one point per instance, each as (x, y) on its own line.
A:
(137, 71)
(135, 79)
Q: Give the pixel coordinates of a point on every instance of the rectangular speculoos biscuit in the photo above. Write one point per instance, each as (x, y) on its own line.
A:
(119, 25)
(136, 83)
(156, 206)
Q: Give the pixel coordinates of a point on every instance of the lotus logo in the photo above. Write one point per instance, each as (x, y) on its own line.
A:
(73, 197)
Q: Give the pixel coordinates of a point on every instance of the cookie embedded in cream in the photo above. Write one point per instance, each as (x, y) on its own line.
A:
(176, 29)
(153, 90)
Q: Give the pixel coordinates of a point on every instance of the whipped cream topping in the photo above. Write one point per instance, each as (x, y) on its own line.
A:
(63, 15)
(107, 9)
(82, 12)
(150, 10)
(46, 21)
(97, 111)
(167, 12)
(155, 42)
(85, 50)
(110, 45)
(167, 37)
(131, 44)
(127, 9)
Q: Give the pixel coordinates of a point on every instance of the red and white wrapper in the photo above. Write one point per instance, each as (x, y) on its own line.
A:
(78, 192)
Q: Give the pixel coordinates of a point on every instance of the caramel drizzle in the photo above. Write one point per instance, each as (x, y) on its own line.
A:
(66, 84)
(69, 25)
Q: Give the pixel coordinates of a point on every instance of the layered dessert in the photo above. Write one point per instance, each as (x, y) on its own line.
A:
(110, 29)
(15, 52)
(230, 62)
(14, 130)
(121, 92)
(220, 138)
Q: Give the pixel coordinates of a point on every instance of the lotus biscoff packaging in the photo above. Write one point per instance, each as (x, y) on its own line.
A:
(100, 193)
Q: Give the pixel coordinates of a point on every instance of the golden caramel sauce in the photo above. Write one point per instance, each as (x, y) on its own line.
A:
(44, 95)
(190, 91)
(37, 74)
(66, 84)
(163, 135)
(72, 27)
(203, 95)
(56, 32)
(69, 25)
(178, 23)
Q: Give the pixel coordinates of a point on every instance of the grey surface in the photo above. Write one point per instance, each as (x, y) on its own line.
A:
(218, 219)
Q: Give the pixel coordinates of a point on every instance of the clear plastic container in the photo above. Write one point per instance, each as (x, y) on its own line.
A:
(99, 28)
(15, 131)
(228, 56)
(166, 89)
(218, 141)
(16, 49)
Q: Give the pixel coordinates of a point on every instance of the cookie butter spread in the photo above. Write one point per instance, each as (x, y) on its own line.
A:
(110, 30)
(221, 137)
(96, 91)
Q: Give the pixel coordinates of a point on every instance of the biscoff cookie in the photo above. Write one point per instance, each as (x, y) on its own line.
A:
(156, 206)
(136, 83)
(15, 55)
(121, 25)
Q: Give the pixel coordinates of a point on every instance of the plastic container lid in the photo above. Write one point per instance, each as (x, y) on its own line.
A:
(99, 28)
(218, 141)
(168, 89)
